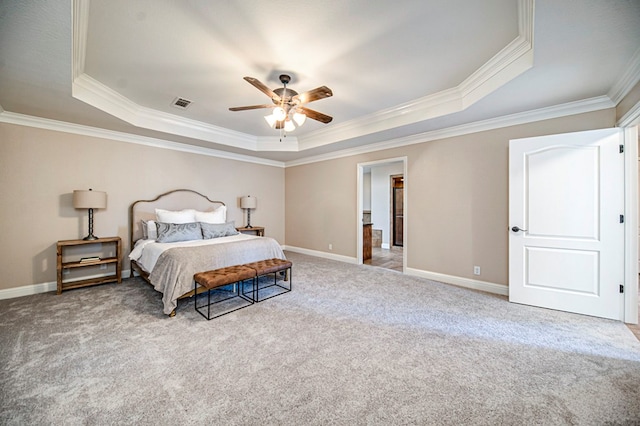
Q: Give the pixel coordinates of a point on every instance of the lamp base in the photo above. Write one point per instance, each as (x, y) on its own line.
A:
(248, 219)
(90, 237)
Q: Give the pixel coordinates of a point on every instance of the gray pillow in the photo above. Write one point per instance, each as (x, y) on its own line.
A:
(174, 232)
(217, 230)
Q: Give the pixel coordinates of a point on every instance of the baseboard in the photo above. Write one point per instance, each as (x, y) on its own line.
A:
(461, 282)
(28, 290)
(322, 254)
(435, 276)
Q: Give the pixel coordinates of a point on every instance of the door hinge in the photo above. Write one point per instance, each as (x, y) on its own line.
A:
(621, 218)
(621, 149)
(621, 288)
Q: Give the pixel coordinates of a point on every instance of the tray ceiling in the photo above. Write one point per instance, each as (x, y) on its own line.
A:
(396, 70)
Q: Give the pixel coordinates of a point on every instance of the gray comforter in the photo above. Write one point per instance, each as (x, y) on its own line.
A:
(174, 270)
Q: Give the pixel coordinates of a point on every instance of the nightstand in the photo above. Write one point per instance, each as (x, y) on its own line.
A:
(67, 247)
(258, 230)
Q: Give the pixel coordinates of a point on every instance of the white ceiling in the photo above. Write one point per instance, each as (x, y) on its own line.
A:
(397, 69)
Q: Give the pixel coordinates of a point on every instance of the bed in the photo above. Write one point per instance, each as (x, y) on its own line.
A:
(168, 262)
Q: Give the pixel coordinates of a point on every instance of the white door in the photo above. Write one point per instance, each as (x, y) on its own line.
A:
(566, 239)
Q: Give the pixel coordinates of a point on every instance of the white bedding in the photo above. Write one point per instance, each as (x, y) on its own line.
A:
(147, 252)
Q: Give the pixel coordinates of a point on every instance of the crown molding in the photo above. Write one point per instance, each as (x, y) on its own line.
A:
(628, 80)
(78, 129)
(562, 110)
(631, 118)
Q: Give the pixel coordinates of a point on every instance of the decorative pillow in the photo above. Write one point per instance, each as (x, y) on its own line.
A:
(174, 232)
(182, 216)
(219, 215)
(143, 228)
(217, 230)
(149, 230)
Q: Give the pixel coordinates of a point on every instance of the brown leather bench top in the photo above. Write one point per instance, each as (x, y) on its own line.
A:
(269, 266)
(224, 276)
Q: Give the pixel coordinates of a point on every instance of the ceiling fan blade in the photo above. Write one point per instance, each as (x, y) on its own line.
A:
(314, 94)
(244, 108)
(264, 89)
(323, 118)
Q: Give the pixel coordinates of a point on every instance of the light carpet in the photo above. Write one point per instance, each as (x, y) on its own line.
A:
(349, 345)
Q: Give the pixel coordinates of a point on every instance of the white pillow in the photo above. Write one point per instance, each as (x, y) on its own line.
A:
(182, 216)
(219, 215)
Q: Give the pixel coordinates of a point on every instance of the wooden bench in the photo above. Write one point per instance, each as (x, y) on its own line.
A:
(213, 280)
(271, 266)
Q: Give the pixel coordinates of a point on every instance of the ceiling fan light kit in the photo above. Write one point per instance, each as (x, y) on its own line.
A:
(279, 114)
(289, 104)
(299, 118)
(288, 125)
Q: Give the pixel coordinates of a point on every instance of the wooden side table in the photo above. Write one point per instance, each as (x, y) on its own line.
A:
(79, 262)
(258, 230)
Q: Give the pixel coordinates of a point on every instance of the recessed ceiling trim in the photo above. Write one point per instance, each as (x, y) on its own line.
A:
(510, 62)
(275, 143)
(104, 98)
(80, 19)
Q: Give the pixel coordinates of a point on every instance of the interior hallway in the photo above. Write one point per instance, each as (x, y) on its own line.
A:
(386, 258)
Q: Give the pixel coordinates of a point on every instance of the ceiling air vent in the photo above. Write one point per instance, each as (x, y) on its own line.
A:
(181, 103)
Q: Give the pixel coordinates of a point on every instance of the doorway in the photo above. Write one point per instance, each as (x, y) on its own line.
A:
(382, 211)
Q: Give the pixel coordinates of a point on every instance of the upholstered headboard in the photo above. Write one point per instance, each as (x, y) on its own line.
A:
(177, 199)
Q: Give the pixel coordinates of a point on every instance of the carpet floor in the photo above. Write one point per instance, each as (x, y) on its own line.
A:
(349, 345)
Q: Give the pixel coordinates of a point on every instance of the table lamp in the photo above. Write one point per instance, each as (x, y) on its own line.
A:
(83, 199)
(248, 203)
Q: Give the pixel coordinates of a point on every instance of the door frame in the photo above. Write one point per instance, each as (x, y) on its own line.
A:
(630, 122)
(360, 201)
(631, 220)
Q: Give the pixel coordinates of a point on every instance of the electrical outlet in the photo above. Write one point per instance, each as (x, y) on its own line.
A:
(476, 270)
(330, 246)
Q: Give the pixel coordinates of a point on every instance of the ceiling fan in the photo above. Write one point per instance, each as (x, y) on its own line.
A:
(288, 104)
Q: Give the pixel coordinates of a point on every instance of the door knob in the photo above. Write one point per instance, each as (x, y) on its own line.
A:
(516, 229)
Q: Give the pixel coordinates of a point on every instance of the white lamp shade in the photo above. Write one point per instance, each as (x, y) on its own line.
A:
(88, 199)
(279, 114)
(248, 202)
(299, 118)
(289, 126)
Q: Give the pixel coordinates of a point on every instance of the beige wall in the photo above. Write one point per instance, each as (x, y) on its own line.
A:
(457, 203)
(456, 213)
(39, 169)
